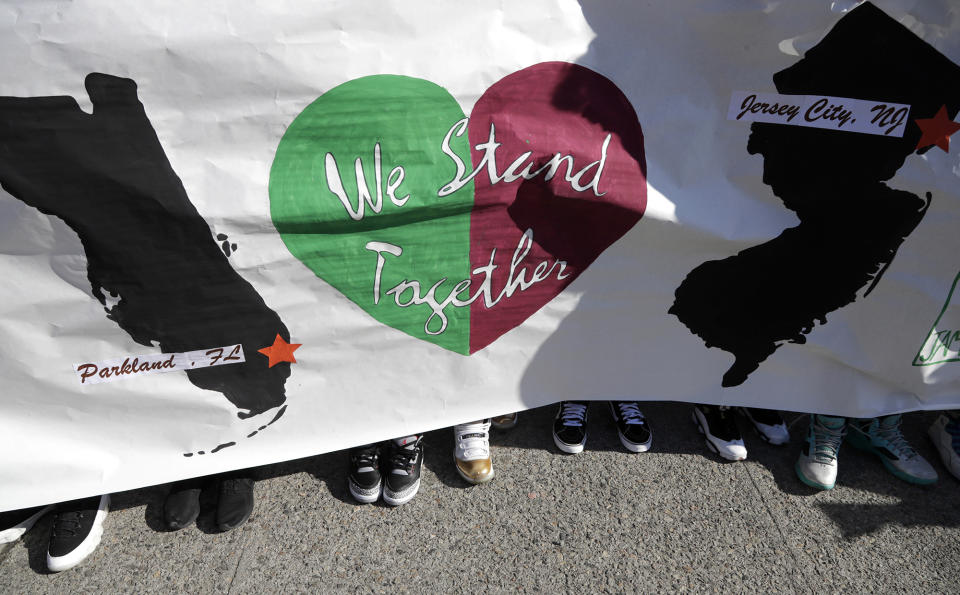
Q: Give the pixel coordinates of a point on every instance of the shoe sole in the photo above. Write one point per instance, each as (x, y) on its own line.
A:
(224, 527)
(711, 445)
(87, 546)
(861, 445)
(570, 449)
(14, 533)
(364, 498)
(920, 481)
(390, 499)
(810, 482)
(635, 446)
(474, 481)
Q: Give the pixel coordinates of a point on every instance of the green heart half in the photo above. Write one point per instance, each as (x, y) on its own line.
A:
(342, 215)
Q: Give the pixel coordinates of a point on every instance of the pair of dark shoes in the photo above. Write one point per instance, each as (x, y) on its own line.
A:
(75, 534)
(390, 471)
(570, 426)
(234, 501)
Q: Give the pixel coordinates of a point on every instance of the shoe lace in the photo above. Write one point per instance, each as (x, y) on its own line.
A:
(896, 439)
(402, 458)
(630, 412)
(474, 439)
(365, 460)
(67, 523)
(827, 442)
(573, 414)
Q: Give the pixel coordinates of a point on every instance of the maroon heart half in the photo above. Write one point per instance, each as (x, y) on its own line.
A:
(564, 176)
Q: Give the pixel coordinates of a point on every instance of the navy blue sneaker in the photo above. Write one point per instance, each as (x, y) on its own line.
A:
(570, 426)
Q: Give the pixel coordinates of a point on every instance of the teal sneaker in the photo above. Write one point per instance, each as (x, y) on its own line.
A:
(882, 437)
(817, 465)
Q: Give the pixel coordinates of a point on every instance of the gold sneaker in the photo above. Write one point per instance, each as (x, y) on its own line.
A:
(504, 422)
(472, 451)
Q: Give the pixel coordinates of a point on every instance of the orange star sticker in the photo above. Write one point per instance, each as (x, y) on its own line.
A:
(937, 130)
(280, 351)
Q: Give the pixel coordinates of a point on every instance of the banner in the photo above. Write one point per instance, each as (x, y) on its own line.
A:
(242, 233)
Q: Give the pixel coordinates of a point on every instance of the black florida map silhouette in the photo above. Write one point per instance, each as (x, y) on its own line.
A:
(148, 248)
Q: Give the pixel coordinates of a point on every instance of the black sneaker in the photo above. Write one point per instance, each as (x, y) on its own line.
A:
(182, 505)
(570, 426)
(402, 471)
(235, 503)
(635, 434)
(77, 528)
(364, 476)
(14, 523)
(719, 428)
(769, 424)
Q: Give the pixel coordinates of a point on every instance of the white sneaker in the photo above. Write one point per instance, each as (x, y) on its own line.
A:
(769, 424)
(945, 434)
(472, 451)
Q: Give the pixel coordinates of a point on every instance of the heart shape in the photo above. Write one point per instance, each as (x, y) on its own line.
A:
(454, 230)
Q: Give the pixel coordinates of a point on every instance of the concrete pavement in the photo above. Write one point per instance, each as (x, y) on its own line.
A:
(673, 519)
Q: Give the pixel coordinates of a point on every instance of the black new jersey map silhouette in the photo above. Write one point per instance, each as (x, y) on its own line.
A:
(851, 222)
(106, 175)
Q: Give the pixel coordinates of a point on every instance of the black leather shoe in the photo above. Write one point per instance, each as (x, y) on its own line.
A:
(236, 502)
(182, 506)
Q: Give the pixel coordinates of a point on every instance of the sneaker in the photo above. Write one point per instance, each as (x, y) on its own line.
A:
(769, 424)
(364, 477)
(182, 505)
(235, 502)
(817, 465)
(505, 422)
(720, 431)
(882, 437)
(635, 434)
(945, 433)
(15, 523)
(472, 451)
(402, 468)
(77, 528)
(570, 426)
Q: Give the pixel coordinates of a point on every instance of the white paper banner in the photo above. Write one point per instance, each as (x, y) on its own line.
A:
(554, 207)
